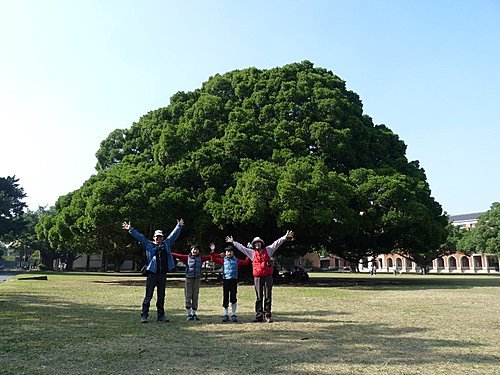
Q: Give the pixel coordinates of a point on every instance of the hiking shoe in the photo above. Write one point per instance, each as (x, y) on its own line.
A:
(234, 318)
(144, 319)
(190, 317)
(225, 318)
(162, 318)
(195, 317)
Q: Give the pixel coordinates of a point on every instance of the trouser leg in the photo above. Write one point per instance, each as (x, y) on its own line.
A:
(233, 291)
(268, 288)
(225, 293)
(150, 287)
(188, 293)
(259, 292)
(161, 286)
(196, 293)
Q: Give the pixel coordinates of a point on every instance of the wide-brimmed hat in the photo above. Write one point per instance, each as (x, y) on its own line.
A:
(257, 239)
(158, 233)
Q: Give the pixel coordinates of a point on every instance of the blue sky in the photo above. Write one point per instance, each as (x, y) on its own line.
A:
(72, 71)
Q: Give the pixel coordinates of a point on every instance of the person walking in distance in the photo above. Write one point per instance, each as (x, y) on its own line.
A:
(262, 272)
(159, 260)
(230, 266)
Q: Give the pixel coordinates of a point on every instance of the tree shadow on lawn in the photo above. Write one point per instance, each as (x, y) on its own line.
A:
(399, 282)
(85, 335)
(170, 282)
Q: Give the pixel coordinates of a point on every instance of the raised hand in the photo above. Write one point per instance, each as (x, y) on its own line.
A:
(289, 234)
(126, 225)
(229, 239)
(180, 221)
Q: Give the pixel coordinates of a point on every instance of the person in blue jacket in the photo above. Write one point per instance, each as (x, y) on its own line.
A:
(230, 266)
(159, 261)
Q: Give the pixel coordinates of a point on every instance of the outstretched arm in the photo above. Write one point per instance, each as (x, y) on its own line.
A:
(182, 257)
(271, 249)
(175, 232)
(205, 258)
(137, 235)
(245, 250)
(244, 262)
(214, 257)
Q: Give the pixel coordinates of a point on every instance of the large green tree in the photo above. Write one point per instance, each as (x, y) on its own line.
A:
(11, 207)
(254, 152)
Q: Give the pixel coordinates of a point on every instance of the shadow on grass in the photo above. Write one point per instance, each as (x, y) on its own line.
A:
(41, 334)
(386, 283)
(170, 282)
(400, 282)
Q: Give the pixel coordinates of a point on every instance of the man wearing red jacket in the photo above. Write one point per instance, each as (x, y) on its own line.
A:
(262, 272)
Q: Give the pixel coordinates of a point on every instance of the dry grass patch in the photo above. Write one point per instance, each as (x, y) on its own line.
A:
(343, 324)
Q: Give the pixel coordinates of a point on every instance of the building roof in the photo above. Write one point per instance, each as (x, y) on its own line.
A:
(466, 217)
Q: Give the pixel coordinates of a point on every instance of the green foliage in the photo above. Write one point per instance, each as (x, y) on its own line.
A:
(28, 238)
(485, 236)
(256, 152)
(11, 207)
(455, 235)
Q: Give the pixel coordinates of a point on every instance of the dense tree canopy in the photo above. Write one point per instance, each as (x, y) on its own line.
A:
(256, 152)
(485, 236)
(11, 206)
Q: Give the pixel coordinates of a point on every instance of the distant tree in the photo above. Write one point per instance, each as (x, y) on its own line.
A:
(11, 207)
(3, 250)
(28, 237)
(454, 235)
(485, 236)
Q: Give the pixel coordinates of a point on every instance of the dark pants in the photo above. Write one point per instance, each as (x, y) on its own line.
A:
(158, 281)
(229, 291)
(263, 288)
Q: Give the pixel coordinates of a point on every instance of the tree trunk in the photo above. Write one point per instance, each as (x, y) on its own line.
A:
(48, 258)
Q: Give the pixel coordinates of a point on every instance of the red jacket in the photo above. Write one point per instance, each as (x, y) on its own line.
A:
(262, 263)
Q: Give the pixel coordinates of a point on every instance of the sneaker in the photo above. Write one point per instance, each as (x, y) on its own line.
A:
(190, 317)
(225, 318)
(234, 318)
(162, 318)
(144, 319)
(268, 319)
(195, 317)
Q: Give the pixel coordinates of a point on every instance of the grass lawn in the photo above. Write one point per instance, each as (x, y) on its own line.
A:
(336, 324)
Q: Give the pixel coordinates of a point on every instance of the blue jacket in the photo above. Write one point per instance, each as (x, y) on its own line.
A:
(150, 247)
(230, 269)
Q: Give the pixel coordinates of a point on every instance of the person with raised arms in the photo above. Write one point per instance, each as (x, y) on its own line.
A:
(230, 266)
(159, 260)
(262, 272)
(193, 262)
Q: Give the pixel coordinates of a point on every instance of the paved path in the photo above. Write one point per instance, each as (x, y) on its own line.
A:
(6, 275)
